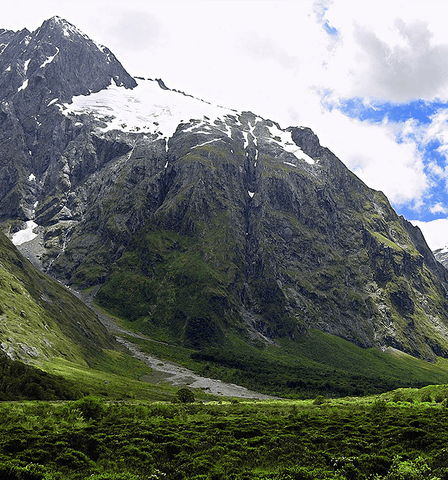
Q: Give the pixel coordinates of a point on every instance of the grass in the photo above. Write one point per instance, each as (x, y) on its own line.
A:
(315, 364)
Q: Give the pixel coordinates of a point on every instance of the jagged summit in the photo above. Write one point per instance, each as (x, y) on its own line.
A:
(57, 23)
(56, 59)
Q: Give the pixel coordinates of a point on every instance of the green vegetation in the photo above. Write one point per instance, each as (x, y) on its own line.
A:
(378, 438)
(316, 364)
(180, 290)
(24, 382)
(39, 318)
(165, 281)
(127, 379)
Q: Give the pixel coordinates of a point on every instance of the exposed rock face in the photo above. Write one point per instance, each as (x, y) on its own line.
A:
(203, 221)
(37, 70)
(441, 256)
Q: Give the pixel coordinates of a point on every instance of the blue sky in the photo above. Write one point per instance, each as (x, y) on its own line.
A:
(412, 121)
(369, 77)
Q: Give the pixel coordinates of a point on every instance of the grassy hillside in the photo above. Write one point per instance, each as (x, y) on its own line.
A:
(40, 319)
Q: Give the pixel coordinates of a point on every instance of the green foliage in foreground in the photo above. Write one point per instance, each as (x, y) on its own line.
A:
(277, 440)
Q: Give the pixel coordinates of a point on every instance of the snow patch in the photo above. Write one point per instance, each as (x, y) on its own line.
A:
(246, 140)
(25, 65)
(251, 194)
(286, 142)
(49, 59)
(25, 235)
(52, 101)
(206, 143)
(24, 85)
(32, 177)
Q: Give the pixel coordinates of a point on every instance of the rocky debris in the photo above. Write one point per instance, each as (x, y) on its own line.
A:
(179, 376)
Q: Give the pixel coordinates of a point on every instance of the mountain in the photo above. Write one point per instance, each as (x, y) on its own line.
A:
(204, 226)
(37, 69)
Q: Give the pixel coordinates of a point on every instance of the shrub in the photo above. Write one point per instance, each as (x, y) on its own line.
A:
(115, 476)
(379, 407)
(91, 407)
(32, 471)
(410, 470)
(426, 397)
(184, 395)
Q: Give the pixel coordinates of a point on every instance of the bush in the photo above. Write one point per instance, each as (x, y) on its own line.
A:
(379, 407)
(32, 471)
(426, 397)
(319, 400)
(91, 407)
(184, 395)
(410, 470)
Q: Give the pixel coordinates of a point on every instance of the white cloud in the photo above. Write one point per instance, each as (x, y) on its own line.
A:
(439, 208)
(400, 73)
(373, 154)
(435, 232)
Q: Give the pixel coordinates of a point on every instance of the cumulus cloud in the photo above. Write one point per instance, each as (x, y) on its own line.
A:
(372, 153)
(412, 68)
(439, 208)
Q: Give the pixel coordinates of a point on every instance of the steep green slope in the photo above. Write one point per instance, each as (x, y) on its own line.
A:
(40, 319)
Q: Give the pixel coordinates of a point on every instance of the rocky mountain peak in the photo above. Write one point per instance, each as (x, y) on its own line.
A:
(200, 219)
(56, 59)
(57, 25)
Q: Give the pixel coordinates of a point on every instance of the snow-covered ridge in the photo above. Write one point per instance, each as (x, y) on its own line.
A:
(149, 108)
(146, 108)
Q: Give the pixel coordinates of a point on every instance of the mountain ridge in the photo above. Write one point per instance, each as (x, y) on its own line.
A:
(201, 224)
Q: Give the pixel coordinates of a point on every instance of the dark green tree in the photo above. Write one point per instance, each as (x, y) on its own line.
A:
(184, 395)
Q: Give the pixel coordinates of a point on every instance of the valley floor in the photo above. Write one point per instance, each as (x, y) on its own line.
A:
(168, 372)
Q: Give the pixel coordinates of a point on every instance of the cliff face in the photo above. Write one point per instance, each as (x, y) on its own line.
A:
(201, 222)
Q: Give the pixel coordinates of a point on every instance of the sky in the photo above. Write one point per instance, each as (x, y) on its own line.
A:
(370, 78)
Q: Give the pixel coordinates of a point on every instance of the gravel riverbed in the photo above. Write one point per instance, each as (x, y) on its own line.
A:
(171, 373)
